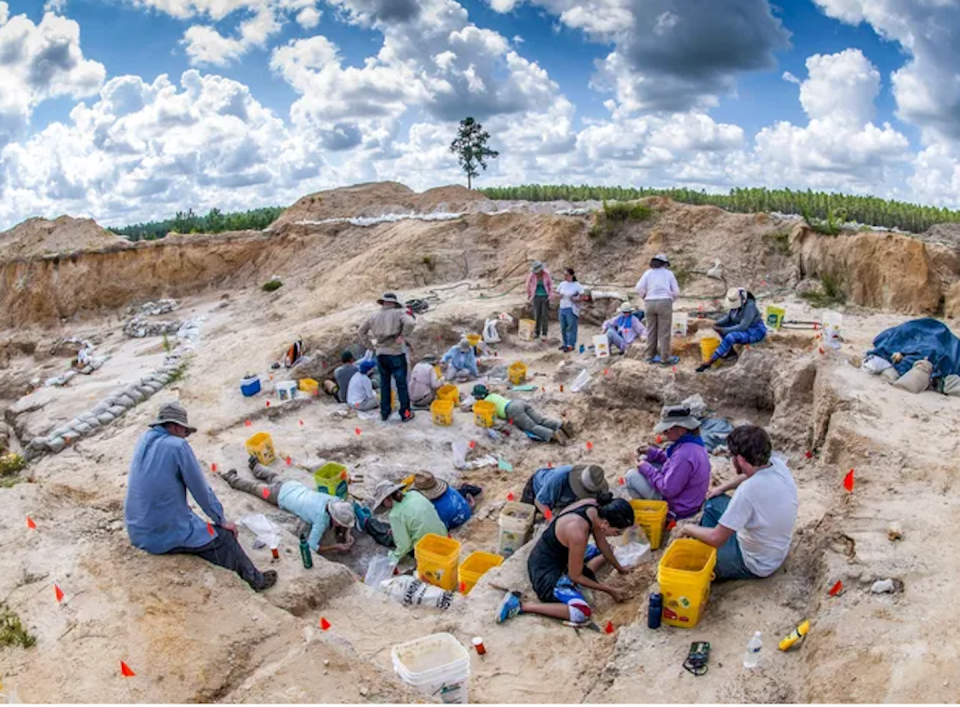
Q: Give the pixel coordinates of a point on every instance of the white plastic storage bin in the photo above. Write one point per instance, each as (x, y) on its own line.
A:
(436, 665)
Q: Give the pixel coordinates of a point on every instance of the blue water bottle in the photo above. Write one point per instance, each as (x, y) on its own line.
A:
(655, 610)
(582, 349)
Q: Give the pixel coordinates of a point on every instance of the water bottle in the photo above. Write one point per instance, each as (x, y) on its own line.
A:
(305, 553)
(752, 656)
(582, 349)
(654, 610)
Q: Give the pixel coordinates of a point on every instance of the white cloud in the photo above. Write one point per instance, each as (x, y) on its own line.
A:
(205, 45)
(790, 78)
(309, 17)
(4, 12)
(840, 84)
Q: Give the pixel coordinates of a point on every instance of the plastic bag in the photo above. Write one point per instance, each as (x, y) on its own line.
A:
(581, 381)
(490, 333)
(410, 591)
(632, 554)
(459, 454)
(261, 526)
(876, 365)
(379, 570)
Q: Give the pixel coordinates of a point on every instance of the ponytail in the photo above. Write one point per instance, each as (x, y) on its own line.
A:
(616, 511)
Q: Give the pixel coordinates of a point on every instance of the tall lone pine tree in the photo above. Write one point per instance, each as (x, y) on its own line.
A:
(471, 149)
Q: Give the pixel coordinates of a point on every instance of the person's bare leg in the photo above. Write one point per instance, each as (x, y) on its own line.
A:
(596, 563)
(554, 611)
(471, 501)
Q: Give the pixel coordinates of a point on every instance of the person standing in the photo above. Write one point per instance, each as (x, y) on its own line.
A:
(659, 288)
(155, 510)
(388, 330)
(539, 292)
(570, 292)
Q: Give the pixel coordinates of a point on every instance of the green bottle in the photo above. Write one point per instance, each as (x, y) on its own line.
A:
(305, 553)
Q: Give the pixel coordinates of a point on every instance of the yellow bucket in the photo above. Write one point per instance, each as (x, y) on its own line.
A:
(261, 446)
(331, 479)
(684, 574)
(708, 346)
(651, 516)
(474, 567)
(474, 339)
(484, 413)
(309, 386)
(449, 392)
(442, 411)
(437, 559)
(774, 317)
(517, 372)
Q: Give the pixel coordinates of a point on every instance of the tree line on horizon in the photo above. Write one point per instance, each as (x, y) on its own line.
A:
(187, 221)
(867, 210)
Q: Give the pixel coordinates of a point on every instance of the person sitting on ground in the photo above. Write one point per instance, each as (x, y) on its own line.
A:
(461, 362)
(521, 414)
(555, 489)
(360, 395)
(411, 517)
(389, 329)
(624, 329)
(681, 474)
(743, 324)
(453, 506)
(344, 373)
(424, 382)
(562, 562)
(752, 531)
(156, 513)
(293, 354)
(319, 510)
(658, 287)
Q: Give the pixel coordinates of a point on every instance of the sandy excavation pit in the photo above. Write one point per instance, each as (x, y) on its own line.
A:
(195, 632)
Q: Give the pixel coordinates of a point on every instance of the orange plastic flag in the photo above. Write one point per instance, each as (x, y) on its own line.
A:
(268, 403)
(31, 524)
(621, 481)
(609, 627)
(213, 467)
(473, 444)
(356, 431)
(58, 593)
(809, 455)
(561, 388)
(848, 481)
(210, 529)
(548, 514)
(463, 587)
(289, 461)
(510, 496)
(589, 446)
(659, 439)
(125, 670)
(266, 493)
(836, 589)
(301, 423)
(324, 624)
(247, 423)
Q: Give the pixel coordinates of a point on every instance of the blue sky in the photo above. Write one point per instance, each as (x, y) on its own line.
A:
(266, 100)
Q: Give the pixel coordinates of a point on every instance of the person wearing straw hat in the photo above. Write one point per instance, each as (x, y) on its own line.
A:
(742, 324)
(539, 292)
(156, 512)
(319, 510)
(658, 287)
(388, 330)
(679, 475)
(556, 488)
(624, 329)
(453, 506)
(411, 517)
(425, 382)
(461, 362)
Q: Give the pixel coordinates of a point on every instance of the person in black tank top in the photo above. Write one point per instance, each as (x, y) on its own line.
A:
(562, 561)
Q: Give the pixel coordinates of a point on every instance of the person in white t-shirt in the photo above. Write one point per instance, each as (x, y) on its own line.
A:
(753, 530)
(360, 395)
(570, 292)
(658, 287)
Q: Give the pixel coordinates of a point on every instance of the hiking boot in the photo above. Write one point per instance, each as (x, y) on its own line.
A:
(229, 476)
(703, 367)
(655, 359)
(410, 415)
(509, 607)
(567, 428)
(672, 361)
(560, 437)
(269, 579)
(252, 461)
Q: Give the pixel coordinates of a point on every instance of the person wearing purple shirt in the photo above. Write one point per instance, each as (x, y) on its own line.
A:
(679, 475)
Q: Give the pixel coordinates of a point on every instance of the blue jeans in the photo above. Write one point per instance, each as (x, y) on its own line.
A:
(613, 336)
(395, 367)
(569, 322)
(756, 332)
(729, 557)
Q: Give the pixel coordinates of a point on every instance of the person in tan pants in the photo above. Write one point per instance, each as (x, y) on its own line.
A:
(659, 288)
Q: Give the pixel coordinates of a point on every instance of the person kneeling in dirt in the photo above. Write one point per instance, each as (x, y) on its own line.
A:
(156, 513)
(411, 517)
(360, 395)
(461, 362)
(753, 530)
(562, 562)
(453, 506)
(555, 489)
(522, 415)
(624, 329)
(344, 374)
(681, 474)
(319, 510)
(743, 324)
(424, 382)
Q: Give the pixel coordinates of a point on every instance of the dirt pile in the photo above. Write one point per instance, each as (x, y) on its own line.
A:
(40, 236)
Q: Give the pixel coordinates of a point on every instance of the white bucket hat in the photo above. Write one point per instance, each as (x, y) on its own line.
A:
(383, 490)
(627, 308)
(734, 298)
(342, 513)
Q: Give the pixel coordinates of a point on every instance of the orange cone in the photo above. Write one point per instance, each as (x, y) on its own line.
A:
(125, 670)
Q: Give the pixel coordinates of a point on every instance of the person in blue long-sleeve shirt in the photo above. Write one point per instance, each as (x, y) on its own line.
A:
(743, 324)
(461, 362)
(156, 513)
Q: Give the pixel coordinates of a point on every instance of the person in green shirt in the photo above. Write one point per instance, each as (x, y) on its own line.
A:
(523, 415)
(411, 517)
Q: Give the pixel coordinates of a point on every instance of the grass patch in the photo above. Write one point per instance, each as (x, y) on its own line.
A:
(12, 632)
(831, 226)
(179, 373)
(832, 294)
(9, 482)
(615, 215)
(271, 286)
(430, 262)
(778, 242)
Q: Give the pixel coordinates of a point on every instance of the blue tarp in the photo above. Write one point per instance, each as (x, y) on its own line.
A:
(919, 339)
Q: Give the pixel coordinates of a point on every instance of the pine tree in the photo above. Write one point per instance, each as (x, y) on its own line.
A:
(470, 147)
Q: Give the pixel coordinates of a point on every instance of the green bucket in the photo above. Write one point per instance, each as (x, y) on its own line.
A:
(331, 479)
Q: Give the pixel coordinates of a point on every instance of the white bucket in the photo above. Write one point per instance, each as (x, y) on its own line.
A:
(601, 345)
(436, 665)
(832, 329)
(516, 519)
(679, 324)
(286, 390)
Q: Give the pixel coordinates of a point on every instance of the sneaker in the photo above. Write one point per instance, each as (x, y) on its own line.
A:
(672, 361)
(564, 349)
(410, 415)
(252, 461)
(509, 607)
(269, 579)
(655, 359)
(229, 476)
(703, 367)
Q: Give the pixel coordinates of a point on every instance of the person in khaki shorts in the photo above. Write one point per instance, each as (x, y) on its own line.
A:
(658, 287)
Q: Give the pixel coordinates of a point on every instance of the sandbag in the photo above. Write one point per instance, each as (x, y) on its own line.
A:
(889, 374)
(410, 591)
(917, 379)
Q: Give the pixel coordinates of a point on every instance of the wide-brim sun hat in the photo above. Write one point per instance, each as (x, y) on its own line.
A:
(173, 412)
(383, 490)
(342, 513)
(537, 266)
(627, 308)
(676, 416)
(732, 300)
(662, 258)
(588, 481)
(389, 298)
(429, 485)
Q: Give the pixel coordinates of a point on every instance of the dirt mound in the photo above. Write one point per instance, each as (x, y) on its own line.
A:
(377, 199)
(40, 236)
